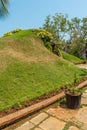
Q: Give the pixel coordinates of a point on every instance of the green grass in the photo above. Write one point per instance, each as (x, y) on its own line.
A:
(71, 58)
(22, 80)
(22, 33)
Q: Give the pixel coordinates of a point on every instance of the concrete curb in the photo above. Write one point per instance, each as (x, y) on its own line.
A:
(11, 118)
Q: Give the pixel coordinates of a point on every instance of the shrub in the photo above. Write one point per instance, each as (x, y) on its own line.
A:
(16, 30)
(44, 35)
(7, 34)
(12, 32)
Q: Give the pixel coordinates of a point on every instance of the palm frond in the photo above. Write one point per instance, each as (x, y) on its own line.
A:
(3, 8)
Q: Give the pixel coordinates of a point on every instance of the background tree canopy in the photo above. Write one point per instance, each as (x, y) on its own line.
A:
(71, 33)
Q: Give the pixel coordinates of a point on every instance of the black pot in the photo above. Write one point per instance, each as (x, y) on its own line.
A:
(73, 101)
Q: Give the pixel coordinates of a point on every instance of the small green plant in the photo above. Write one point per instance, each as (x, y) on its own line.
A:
(75, 91)
(72, 88)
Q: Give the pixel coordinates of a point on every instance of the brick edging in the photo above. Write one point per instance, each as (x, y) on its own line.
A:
(11, 118)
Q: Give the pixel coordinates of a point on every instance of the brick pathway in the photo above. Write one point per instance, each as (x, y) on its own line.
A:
(84, 66)
(58, 118)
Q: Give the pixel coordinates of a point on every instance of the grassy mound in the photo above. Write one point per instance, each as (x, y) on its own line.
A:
(71, 58)
(28, 70)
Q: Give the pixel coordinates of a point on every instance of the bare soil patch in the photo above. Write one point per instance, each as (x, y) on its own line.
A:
(25, 57)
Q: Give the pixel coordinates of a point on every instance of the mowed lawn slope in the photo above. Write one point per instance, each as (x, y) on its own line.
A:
(28, 70)
(71, 58)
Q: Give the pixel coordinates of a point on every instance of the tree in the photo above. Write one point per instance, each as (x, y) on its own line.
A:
(84, 35)
(3, 8)
(57, 25)
(74, 28)
(77, 30)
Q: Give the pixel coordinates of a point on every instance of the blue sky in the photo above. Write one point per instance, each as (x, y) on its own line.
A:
(27, 14)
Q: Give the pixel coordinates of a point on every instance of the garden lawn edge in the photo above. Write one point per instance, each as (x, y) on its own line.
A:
(13, 117)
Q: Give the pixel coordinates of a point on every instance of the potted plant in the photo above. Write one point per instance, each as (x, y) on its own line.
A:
(73, 95)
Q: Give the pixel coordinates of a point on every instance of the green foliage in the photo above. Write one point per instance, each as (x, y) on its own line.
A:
(56, 25)
(72, 88)
(12, 32)
(48, 45)
(7, 34)
(74, 29)
(16, 30)
(44, 35)
(58, 51)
